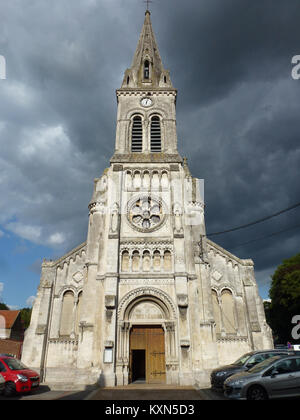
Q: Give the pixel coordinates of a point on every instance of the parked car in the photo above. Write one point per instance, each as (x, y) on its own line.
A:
(281, 346)
(18, 377)
(244, 363)
(276, 377)
(2, 383)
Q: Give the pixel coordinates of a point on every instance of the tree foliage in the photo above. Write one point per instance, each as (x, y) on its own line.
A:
(26, 316)
(285, 298)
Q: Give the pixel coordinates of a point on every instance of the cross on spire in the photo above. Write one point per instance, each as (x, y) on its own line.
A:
(147, 2)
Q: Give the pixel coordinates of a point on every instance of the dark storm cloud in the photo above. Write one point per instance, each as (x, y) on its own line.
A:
(237, 111)
(238, 116)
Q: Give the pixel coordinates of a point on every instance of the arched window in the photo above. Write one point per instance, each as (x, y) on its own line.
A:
(228, 311)
(137, 135)
(146, 261)
(156, 261)
(155, 135)
(167, 261)
(66, 322)
(125, 261)
(146, 69)
(135, 261)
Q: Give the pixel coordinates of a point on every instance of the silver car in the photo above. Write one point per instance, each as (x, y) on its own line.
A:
(276, 377)
(2, 383)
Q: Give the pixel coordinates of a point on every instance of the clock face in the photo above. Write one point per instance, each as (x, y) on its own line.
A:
(146, 102)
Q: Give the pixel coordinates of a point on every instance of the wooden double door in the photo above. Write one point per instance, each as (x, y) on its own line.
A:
(147, 354)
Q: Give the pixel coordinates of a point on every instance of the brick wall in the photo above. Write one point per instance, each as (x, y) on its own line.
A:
(11, 347)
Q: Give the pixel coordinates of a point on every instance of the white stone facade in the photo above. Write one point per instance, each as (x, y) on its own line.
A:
(146, 261)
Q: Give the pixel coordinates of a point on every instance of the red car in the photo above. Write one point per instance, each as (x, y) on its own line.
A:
(18, 378)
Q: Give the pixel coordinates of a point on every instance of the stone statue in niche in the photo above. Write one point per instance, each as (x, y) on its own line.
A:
(178, 229)
(114, 219)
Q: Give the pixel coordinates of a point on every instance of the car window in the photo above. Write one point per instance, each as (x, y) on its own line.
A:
(263, 365)
(243, 359)
(2, 367)
(297, 365)
(285, 366)
(257, 358)
(14, 364)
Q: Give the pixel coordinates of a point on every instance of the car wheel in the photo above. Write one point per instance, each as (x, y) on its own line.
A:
(257, 392)
(9, 389)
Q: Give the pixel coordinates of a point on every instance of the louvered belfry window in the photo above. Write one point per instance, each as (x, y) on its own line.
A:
(137, 135)
(155, 135)
(146, 70)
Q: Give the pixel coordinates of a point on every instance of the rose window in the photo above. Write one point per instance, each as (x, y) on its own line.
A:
(146, 213)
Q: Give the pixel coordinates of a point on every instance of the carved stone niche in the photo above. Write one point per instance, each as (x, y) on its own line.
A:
(182, 301)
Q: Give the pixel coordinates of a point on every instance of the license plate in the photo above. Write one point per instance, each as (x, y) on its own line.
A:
(34, 384)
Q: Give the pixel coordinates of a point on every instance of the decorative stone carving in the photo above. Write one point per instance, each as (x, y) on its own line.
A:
(146, 311)
(216, 275)
(78, 277)
(146, 291)
(146, 213)
(182, 301)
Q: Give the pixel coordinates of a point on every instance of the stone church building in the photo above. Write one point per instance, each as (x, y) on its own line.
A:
(148, 296)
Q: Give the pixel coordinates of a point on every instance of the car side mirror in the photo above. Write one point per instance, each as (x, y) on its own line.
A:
(274, 373)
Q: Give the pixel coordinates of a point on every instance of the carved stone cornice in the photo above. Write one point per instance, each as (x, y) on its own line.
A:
(146, 158)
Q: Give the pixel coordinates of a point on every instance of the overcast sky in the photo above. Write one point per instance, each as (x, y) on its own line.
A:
(237, 117)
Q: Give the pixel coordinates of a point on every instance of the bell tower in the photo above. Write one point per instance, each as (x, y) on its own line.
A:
(146, 122)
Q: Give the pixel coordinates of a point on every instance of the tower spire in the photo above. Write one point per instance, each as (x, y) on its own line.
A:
(147, 69)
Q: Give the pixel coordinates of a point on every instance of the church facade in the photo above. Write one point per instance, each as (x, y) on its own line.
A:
(148, 296)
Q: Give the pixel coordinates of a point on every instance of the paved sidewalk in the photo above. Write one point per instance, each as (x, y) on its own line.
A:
(152, 392)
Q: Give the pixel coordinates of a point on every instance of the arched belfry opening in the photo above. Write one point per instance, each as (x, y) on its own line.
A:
(146, 69)
(146, 337)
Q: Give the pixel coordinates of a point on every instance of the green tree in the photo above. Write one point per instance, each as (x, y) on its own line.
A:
(26, 316)
(285, 298)
(3, 307)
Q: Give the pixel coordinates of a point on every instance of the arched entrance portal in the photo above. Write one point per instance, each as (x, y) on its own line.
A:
(146, 349)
